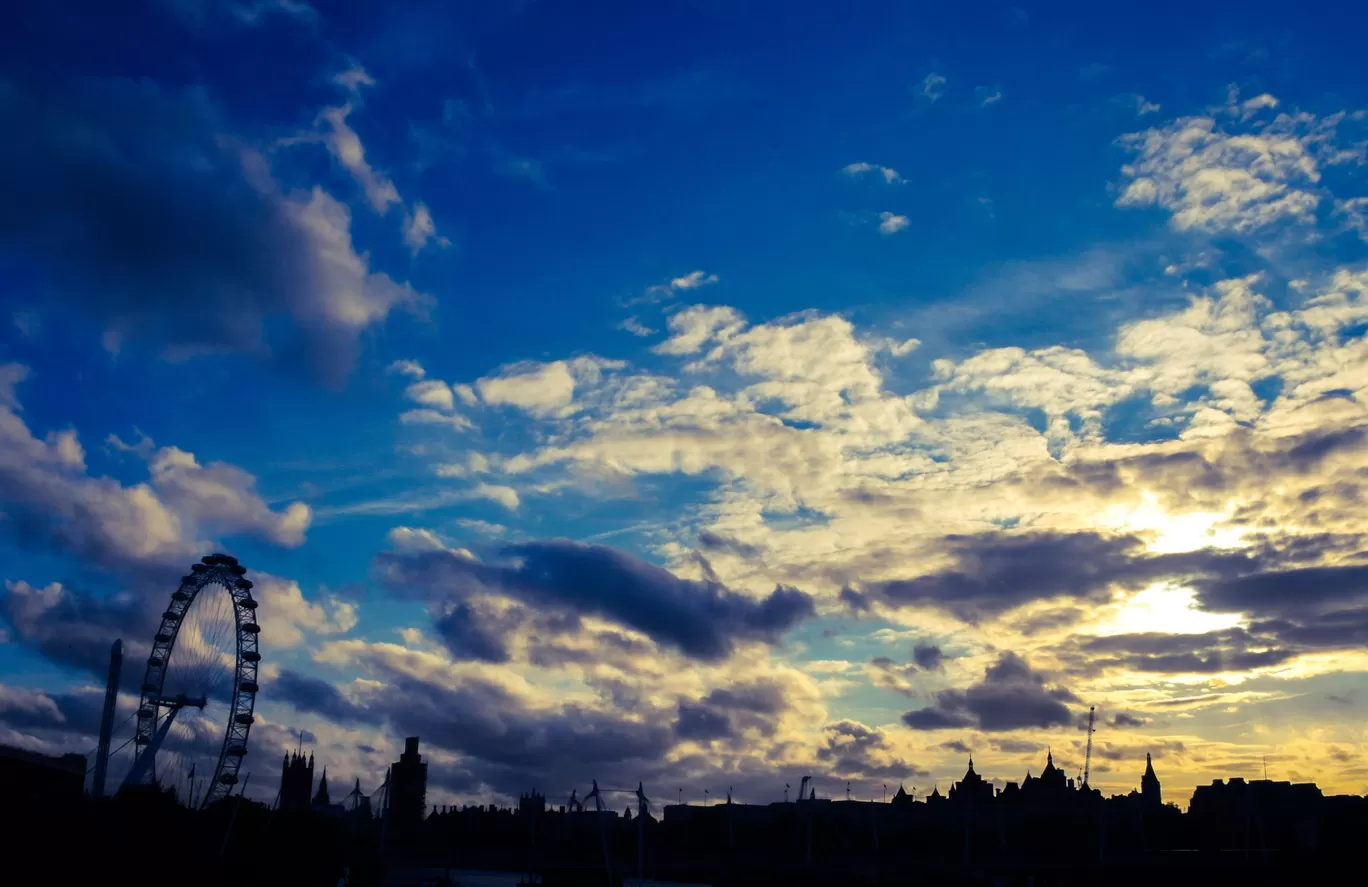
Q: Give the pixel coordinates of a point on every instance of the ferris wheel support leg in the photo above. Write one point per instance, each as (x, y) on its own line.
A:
(149, 756)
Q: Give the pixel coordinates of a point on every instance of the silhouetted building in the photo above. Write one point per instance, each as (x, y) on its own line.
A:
(533, 804)
(1150, 794)
(408, 791)
(972, 788)
(296, 782)
(321, 799)
(28, 778)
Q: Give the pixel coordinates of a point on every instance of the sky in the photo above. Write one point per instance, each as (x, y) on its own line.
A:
(695, 393)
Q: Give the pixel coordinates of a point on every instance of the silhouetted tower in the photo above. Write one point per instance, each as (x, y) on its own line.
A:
(1150, 794)
(296, 782)
(321, 799)
(1087, 761)
(408, 791)
(107, 719)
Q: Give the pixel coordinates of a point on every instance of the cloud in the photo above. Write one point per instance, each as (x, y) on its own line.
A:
(855, 751)
(313, 695)
(50, 498)
(1010, 697)
(346, 148)
(542, 389)
(432, 393)
(691, 281)
(528, 168)
(419, 229)
(890, 176)
(636, 327)
(933, 86)
(179, 208)
(698, 325)
(995, 572)
(293, 615)
(11, 374)
(353, 79)
(1232, 175)
(701, 619)
(892, 223)
(927, 656)
(988, 95)
(407, 368)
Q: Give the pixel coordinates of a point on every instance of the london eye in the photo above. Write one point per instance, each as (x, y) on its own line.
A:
(199, 690)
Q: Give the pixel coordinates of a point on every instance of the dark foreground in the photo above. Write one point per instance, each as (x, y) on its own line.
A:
(148, 836)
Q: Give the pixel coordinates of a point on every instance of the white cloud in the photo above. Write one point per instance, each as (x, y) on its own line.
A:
(407, 368)
(346, 296)
(293, 615)
(503, 495)
(636, 327)
(535, 387)
(1214, 179)
(542, 388)
(1355, 212)
(353, 79)
(466, 394)
(693, 280)
(454, 421)
(432, 393)
(345, 146)
(988, 95)
(155, 522)
(11, 374)
(933, 86)
(419, 228)
(890, 176)
(697, 325)
(892, 223)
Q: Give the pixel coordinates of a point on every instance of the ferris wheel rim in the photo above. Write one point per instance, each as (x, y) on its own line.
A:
(225, 571)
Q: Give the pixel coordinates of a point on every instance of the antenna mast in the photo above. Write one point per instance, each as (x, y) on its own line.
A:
(1087, 760)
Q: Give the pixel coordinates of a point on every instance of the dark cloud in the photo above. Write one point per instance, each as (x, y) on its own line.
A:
(701, 723)
(717, 542)
(1285, 592)
(701, 619)
(957, 746)
(511, 743)
(74, 627)
(1010, 696)
(316, 696)
(76, 712)
(857, 602)
(141, 213)
(1121, 719)
(469, 633)
(1015, 746)
(927, 656)
(1207, 653)
(996, 572)
(853, 750)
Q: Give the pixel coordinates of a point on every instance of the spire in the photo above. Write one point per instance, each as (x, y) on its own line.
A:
(321, 799)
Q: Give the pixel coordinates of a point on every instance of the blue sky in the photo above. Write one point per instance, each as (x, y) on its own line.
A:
(578, 370)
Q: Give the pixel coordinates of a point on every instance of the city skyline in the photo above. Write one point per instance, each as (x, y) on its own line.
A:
(699, 396)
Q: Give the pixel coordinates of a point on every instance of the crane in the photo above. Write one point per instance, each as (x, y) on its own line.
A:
(1087, 759)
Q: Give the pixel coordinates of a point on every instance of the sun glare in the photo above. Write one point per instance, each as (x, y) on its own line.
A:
(1173, 534)
(1167, 609)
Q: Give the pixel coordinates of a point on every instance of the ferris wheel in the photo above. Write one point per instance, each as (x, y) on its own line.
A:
(201, 674)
